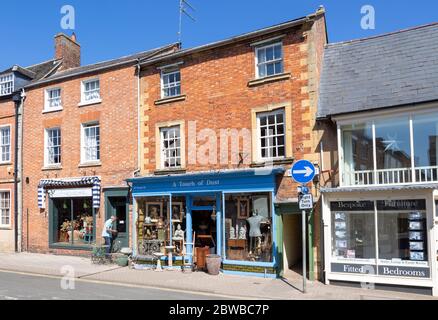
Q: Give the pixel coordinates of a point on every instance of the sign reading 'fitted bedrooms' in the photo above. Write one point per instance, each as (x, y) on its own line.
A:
(386, 271)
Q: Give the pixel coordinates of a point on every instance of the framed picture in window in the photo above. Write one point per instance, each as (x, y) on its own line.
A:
(242, 208)
(416, 246)
(340, 225)
(416, 225)
(416, 236)
(177, 211)
(154, 210)
(341, 244)
(340, 216)
(415, 215)
(417, 256)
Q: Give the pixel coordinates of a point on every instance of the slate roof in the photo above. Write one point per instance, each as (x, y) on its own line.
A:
(126, 60)
(390, 70)
(35, 72)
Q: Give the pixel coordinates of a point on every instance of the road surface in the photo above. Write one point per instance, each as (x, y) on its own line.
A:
(14, 286)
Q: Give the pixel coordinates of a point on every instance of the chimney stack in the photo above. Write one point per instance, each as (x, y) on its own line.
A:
(67, 49)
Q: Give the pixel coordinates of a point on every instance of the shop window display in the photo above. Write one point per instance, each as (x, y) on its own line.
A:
(402, 230)
(353, 228)
(248, 227)
(73, 222)
(156, 230)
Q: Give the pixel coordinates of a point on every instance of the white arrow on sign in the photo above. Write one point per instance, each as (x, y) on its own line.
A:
(307, 172)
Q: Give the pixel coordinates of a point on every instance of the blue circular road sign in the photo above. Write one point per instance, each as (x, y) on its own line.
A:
(303, 171)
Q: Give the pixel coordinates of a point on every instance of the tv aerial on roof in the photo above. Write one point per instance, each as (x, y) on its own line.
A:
(185, 8)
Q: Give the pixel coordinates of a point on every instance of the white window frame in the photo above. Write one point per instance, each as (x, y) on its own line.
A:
(84, 93)
(46, 147)
(257, 64)
(163, 157)
(259, 137)
(47, 105)
(176, 84)
(7, 84)
(84, 146)
(8, 207)
(8, 160)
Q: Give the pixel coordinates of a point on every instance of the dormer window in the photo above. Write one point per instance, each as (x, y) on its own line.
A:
(6, 84)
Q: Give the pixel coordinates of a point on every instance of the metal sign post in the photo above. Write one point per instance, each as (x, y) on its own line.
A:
(303, 172)
(304, 253)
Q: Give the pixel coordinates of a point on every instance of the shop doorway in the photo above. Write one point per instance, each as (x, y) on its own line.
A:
(118, 206)
(204, 227)
(292, 246)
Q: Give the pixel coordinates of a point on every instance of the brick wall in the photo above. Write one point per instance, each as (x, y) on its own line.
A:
(218, 96)
(117, 115)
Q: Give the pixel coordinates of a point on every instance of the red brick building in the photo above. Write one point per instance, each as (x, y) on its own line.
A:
(221, 124)
(12, 82)
(81, 133)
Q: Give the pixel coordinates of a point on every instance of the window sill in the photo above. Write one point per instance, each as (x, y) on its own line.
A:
(52, 110)
(170, 100)
(9, 163)
(51, 168)
(90, 164)
(262, 81)
(90, 103)
(276, 162)
(165, 172)
(6, 228)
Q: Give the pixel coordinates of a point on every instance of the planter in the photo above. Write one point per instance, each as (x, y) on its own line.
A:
(214, 264)
(122, 261)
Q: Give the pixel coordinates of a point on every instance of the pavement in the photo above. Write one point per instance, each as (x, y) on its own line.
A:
(196, 283)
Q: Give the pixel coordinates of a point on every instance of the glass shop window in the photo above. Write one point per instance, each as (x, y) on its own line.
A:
(155, 229)
(353, 235)
(248, 227)
(402, 227)
(73, 222)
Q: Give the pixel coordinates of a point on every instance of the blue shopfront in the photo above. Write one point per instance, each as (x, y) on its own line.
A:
(229, 213)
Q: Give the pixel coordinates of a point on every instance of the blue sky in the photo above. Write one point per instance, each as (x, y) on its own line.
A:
(109, 29)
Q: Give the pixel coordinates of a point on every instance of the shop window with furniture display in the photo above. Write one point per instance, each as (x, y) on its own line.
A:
(157, 229)
(248, 227)
(73, 222)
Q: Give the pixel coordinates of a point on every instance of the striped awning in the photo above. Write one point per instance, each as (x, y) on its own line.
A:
(70, 183)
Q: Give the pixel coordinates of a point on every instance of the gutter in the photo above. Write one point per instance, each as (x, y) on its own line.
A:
(138, 68)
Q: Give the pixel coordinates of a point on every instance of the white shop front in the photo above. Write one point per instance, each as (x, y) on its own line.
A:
(381, 235)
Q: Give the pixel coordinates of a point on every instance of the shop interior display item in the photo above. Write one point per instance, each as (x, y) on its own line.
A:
(179, 233)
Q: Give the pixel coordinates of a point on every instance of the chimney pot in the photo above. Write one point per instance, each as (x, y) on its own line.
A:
(68, 50)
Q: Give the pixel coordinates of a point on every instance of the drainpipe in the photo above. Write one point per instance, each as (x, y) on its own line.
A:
(18, 99)
(138, 68)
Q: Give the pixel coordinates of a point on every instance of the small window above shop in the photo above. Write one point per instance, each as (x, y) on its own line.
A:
(90, 92)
